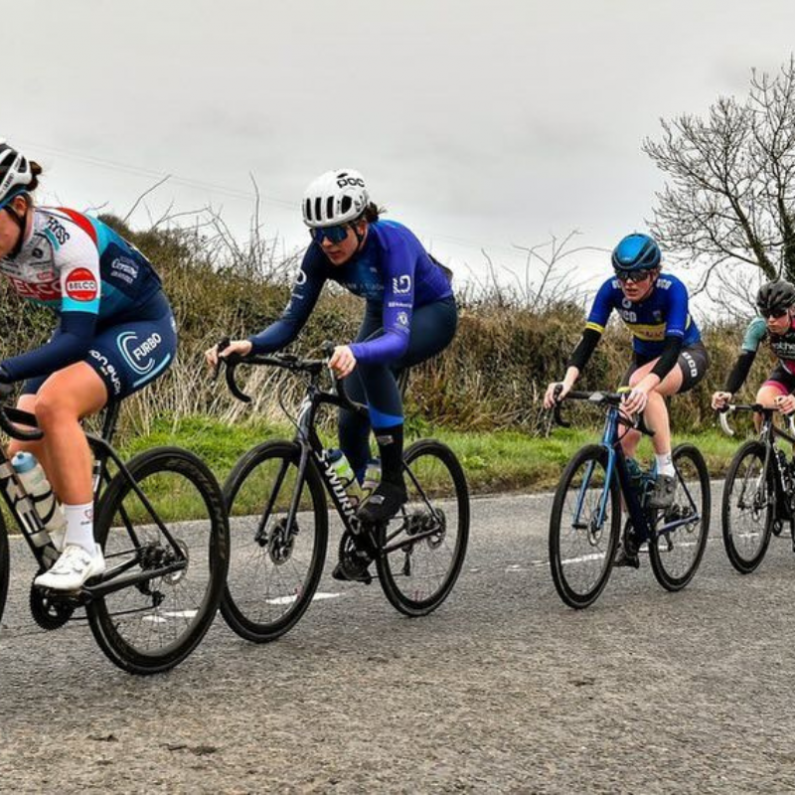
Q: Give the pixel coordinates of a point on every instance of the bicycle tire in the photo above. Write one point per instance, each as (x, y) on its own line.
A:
(679, 546)
(5, 565)
(239, 602)
(591, 539)
(107, 624)
(417, 558)
(730, 529)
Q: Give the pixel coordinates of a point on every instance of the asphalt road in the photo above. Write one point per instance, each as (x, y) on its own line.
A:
(502, 689)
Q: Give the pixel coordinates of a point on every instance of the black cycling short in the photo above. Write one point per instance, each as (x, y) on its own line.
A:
(782, 379)
(693, 361)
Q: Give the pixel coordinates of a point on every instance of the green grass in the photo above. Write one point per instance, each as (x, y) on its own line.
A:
(497, 461)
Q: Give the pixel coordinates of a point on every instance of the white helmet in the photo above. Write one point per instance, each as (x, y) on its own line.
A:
(15, 173)
(335, 197)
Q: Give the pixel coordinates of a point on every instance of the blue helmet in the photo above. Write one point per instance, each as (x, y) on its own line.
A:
(636, 252)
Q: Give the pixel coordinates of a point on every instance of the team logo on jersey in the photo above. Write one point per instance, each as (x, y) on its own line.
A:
(657, 316)
(626, 303)
(403, 318)
(401, 285)
(81, 285)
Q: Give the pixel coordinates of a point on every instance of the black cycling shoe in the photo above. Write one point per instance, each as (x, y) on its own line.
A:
(662, 495)
(354, 561)
(383, 503)
(628, 552)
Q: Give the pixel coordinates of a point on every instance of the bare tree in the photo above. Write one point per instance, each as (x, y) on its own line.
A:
(730, 198)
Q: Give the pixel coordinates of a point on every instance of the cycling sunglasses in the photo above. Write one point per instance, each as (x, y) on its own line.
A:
(335, 234)
(633, 276)
(775, 314)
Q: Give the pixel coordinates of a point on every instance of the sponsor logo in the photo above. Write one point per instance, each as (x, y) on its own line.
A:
(401, 285)
(134, 351)
(626, 303)
(124, 269)
(657, 315)
(664, 284)
(36, 292)
(403, 318)
(336, 486)
(691, 363)
(108, 370)
(354, 182)
(60, 234)
(301, 278)
(629, 317)
(81, 285)
(37, 253)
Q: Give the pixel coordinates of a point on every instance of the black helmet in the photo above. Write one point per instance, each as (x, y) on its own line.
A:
(775, 298)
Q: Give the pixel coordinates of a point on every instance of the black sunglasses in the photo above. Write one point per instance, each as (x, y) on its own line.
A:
(633, 276)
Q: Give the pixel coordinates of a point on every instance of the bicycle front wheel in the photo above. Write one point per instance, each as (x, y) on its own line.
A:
(675, 554)
(584, 528)
(176, 575)
(422, 550)
(748, 508)
(275, 564)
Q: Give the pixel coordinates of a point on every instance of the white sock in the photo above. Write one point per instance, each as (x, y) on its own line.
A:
(665, 465)
(80, 526)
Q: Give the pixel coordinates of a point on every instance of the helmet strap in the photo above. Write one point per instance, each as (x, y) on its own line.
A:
(359, 237)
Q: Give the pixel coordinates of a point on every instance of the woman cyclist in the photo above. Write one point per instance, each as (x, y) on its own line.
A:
(410, 316)
(668, 355)
(776, 328)
(116, 333)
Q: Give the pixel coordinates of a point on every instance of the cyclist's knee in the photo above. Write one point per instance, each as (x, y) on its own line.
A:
(51, 409)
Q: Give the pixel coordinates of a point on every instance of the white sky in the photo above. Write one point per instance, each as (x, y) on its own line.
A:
(478, 124)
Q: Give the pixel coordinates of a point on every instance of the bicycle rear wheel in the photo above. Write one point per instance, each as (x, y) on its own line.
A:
(584, 528)
(748, 508)
(675, 555)
(153, 625)
(275, 569)
(422, 550)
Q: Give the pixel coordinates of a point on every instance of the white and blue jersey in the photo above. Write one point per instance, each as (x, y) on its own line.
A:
(103, 289)
(664, 313)
(392, 272)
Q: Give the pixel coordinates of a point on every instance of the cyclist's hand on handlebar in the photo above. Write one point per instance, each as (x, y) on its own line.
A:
(342, 361)
(636, 400)
(211, 355)
(720, 400)
(785, 403)
(556, 391)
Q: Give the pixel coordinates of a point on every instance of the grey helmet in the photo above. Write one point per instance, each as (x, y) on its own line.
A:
(15, 173)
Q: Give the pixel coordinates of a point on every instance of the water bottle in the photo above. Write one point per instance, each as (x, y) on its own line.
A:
(372, 476)
(32, 476)
(341, 466)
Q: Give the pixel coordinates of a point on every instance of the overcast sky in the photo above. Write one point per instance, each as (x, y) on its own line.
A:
(478, 124)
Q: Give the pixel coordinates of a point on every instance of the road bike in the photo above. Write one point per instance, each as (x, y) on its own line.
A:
(161, 522)
(277, 502)
(759, 492)
(585, 523)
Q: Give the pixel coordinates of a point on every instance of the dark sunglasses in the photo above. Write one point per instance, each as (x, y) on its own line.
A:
(633, 276)
(775, 313)
(335, 234)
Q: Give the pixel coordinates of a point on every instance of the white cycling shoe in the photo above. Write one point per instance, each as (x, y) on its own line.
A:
(72, 569)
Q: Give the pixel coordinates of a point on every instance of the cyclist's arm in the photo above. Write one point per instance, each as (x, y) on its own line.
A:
(397, 311)
(302, 301)
(594, 328)
(753, 337)
(80, 297)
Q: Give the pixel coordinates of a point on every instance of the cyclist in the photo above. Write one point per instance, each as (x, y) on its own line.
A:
(775, 327)
(410, 316)
(116, 333)
(668, 355)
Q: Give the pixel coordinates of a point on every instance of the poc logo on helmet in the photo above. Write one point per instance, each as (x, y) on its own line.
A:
(355, 182)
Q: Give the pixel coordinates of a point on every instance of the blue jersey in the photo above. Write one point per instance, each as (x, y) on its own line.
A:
(392, 271)
(663, 314)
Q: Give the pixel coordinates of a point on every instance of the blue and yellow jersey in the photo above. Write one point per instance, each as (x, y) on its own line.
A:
(662, 314)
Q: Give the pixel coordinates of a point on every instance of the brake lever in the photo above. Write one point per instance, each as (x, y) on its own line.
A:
(221, 346)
